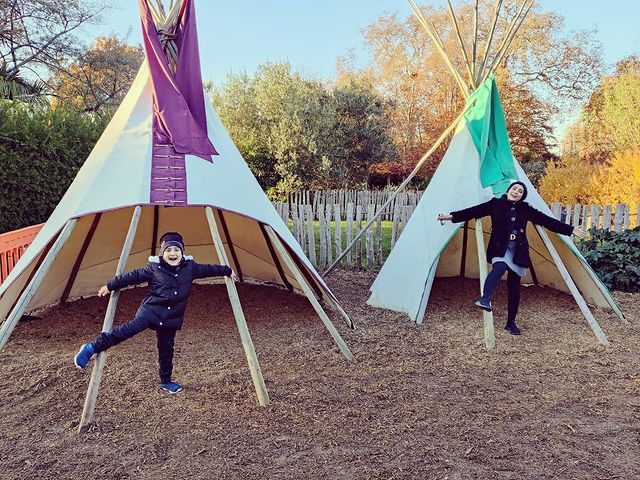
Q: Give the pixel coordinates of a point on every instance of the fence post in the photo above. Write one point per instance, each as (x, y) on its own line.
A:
(606, 218)
(358, 228)
(311, 237)
(617, 221)
(337, 215)
(349, 231)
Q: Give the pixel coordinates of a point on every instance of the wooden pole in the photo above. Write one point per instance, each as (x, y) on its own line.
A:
(489, 334)
(98, 366)
(584, 308)
(401, 187)
(78, 262)
(435, 37)
(461, 43)
(515, 26)
(475, 42)
(247, 343)
(485, 55)
(29, 292)
(284, 254)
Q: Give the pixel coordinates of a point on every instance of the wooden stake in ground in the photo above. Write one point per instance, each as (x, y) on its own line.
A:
(489, 334)
(247, 343)
(275, 239)
(31, 289)
(584, 308)
(98, 366)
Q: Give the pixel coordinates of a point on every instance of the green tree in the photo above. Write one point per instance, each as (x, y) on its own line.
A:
(300, 133)
(609, 122)
(360, 134)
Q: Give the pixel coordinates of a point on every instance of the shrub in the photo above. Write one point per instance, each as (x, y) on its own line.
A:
(615, 257)
(41, 150)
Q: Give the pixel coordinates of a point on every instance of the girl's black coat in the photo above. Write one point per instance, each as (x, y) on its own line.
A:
(503, 223)
(170, 288)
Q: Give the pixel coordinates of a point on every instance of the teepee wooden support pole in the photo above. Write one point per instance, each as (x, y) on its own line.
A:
(427, 292)
(507, 46)
(485, 54)
(284, 254)
(107, 325)
(333, 302)
(584, 308)
(401, 187)
(513, 30)
(243, 329)
(489, 334)
(614, 306)
(319, 291)
(461, 43)
(475, 43)
(29, 292)
(508, 31)
(439, 46)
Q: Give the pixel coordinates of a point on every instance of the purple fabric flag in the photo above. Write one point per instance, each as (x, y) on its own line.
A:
(178, 102)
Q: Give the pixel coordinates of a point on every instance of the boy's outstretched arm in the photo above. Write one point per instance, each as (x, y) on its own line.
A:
(134, 277)
(206, 270)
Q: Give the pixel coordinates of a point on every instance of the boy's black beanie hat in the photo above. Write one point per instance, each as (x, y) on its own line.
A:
(171, 239)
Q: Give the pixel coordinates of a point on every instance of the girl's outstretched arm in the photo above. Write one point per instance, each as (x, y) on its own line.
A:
(477, 211)
(539, 218)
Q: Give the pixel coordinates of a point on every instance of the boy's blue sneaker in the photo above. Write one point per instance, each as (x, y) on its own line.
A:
(171, 387)
(84, 355)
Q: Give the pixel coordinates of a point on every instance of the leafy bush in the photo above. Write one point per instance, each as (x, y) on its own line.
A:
(615, 257)
(41, 150)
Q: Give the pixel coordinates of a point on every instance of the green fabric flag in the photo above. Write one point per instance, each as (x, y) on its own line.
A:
(485, 120)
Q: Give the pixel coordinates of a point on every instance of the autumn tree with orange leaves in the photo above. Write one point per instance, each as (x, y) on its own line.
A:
(546, 71)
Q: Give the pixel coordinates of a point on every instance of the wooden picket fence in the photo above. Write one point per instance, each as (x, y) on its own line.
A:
(314, 218)
(325, 222)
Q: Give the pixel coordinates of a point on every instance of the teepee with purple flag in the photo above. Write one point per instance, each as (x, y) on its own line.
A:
(164, 163)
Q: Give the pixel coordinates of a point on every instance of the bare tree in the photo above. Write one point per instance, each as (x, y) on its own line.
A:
(37, 36)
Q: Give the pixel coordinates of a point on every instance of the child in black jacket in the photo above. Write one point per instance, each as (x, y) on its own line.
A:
(508, 249)
(169, 277)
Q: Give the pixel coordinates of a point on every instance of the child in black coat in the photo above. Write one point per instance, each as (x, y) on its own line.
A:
(169, 277)
(508, 248)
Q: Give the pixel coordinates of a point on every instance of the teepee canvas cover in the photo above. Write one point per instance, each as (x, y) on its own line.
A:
(166, 159)
(479, 163)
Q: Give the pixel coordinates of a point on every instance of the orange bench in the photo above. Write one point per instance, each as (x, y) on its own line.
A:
(13, 245)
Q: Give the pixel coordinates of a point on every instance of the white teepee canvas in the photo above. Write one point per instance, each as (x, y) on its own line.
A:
(135, 185)
(115, 178)
(478, 164)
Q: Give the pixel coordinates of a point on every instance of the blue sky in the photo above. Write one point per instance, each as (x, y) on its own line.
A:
(238, 36)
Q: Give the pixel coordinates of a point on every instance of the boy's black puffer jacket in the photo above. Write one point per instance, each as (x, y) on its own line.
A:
(169, 288)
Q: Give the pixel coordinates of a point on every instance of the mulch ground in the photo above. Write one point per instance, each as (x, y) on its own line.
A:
(420, 402)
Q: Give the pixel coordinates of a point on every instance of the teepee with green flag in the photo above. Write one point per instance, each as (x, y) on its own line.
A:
(478, 164)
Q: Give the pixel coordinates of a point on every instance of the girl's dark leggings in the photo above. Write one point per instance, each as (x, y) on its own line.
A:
(513, 288)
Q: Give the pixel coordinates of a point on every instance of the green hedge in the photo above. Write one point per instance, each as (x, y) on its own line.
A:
(41, 150)
(615, 257)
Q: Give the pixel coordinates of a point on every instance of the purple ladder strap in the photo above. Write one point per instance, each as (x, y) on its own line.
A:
(168, 172)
